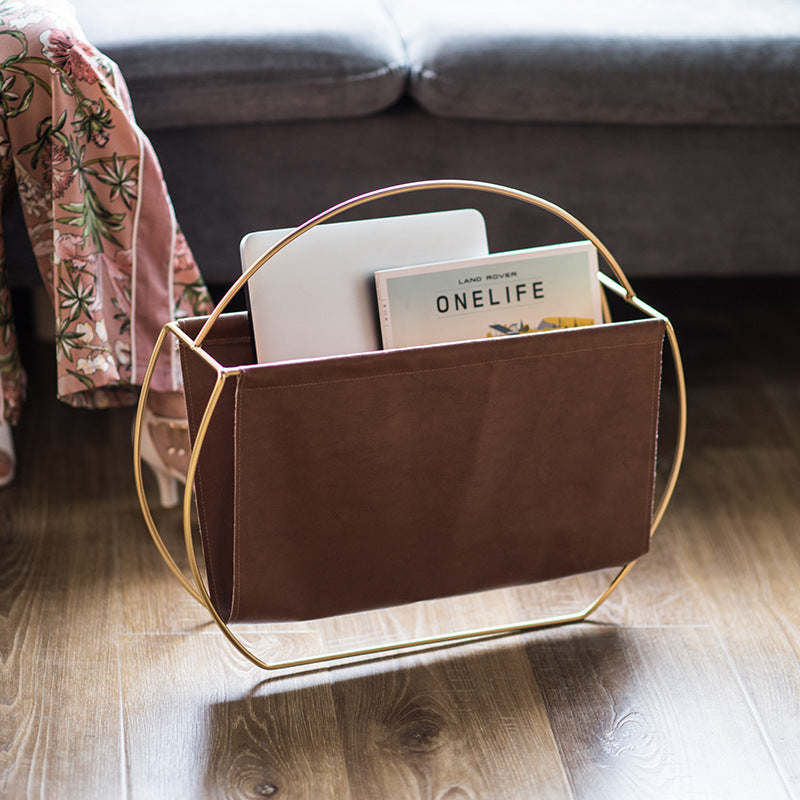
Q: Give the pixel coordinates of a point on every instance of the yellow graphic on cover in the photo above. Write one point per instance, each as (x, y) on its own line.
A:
(547, 324)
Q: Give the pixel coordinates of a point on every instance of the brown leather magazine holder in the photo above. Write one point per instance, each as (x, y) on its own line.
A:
(378, 479)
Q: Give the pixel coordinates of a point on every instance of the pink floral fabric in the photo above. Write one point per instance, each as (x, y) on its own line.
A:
(99, 217)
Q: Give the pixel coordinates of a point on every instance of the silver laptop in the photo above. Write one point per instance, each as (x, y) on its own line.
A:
(316, 297)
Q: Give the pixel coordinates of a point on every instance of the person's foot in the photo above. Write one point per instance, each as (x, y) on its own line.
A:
(165, 443)
(169, 429)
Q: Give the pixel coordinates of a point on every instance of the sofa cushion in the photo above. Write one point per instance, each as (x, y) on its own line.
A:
(190, 62)
(623, 61)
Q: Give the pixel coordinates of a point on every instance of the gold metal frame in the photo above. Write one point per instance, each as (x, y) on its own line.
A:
(620, 287)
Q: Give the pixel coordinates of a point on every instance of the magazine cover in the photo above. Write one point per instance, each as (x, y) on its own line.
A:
(512, 293)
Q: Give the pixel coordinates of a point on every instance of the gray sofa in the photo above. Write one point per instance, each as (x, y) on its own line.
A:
(669, 128)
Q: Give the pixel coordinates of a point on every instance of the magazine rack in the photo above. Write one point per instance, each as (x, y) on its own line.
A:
(581, 499)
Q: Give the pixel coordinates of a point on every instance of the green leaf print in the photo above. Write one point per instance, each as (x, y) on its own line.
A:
(93, 121)
(76, 298)
(20, 37)
(13, 105)
(45, 133)
(123, 181)
(84, 379)
(66, 340)
(94, 218)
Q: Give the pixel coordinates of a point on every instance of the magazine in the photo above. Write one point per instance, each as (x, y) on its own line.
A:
(504, 294)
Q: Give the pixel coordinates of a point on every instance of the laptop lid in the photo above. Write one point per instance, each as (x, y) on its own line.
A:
(316, 297)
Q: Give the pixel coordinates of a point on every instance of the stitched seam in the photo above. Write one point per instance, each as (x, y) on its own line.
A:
(656, 393)
(237, 562)
(199, 495)
(135, 262)
(448, 368)
(391, 68)
(232, 340)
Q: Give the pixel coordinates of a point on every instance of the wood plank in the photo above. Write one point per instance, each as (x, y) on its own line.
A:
(59, 684)
(451, 722)
(746, 561)
(466, 723)
(652, 712)
(153, 598)
(199, 722)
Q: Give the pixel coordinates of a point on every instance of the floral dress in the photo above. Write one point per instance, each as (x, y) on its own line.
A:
(99, 217)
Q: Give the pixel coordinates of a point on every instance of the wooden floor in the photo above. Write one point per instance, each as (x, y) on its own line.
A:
(686, 684)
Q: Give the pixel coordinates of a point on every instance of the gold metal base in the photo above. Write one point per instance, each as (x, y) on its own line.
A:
(199, 591)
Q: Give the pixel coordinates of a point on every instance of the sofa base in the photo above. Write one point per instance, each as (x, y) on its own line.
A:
(665, 200)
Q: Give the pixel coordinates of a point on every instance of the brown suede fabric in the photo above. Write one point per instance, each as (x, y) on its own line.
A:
(347, 483)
